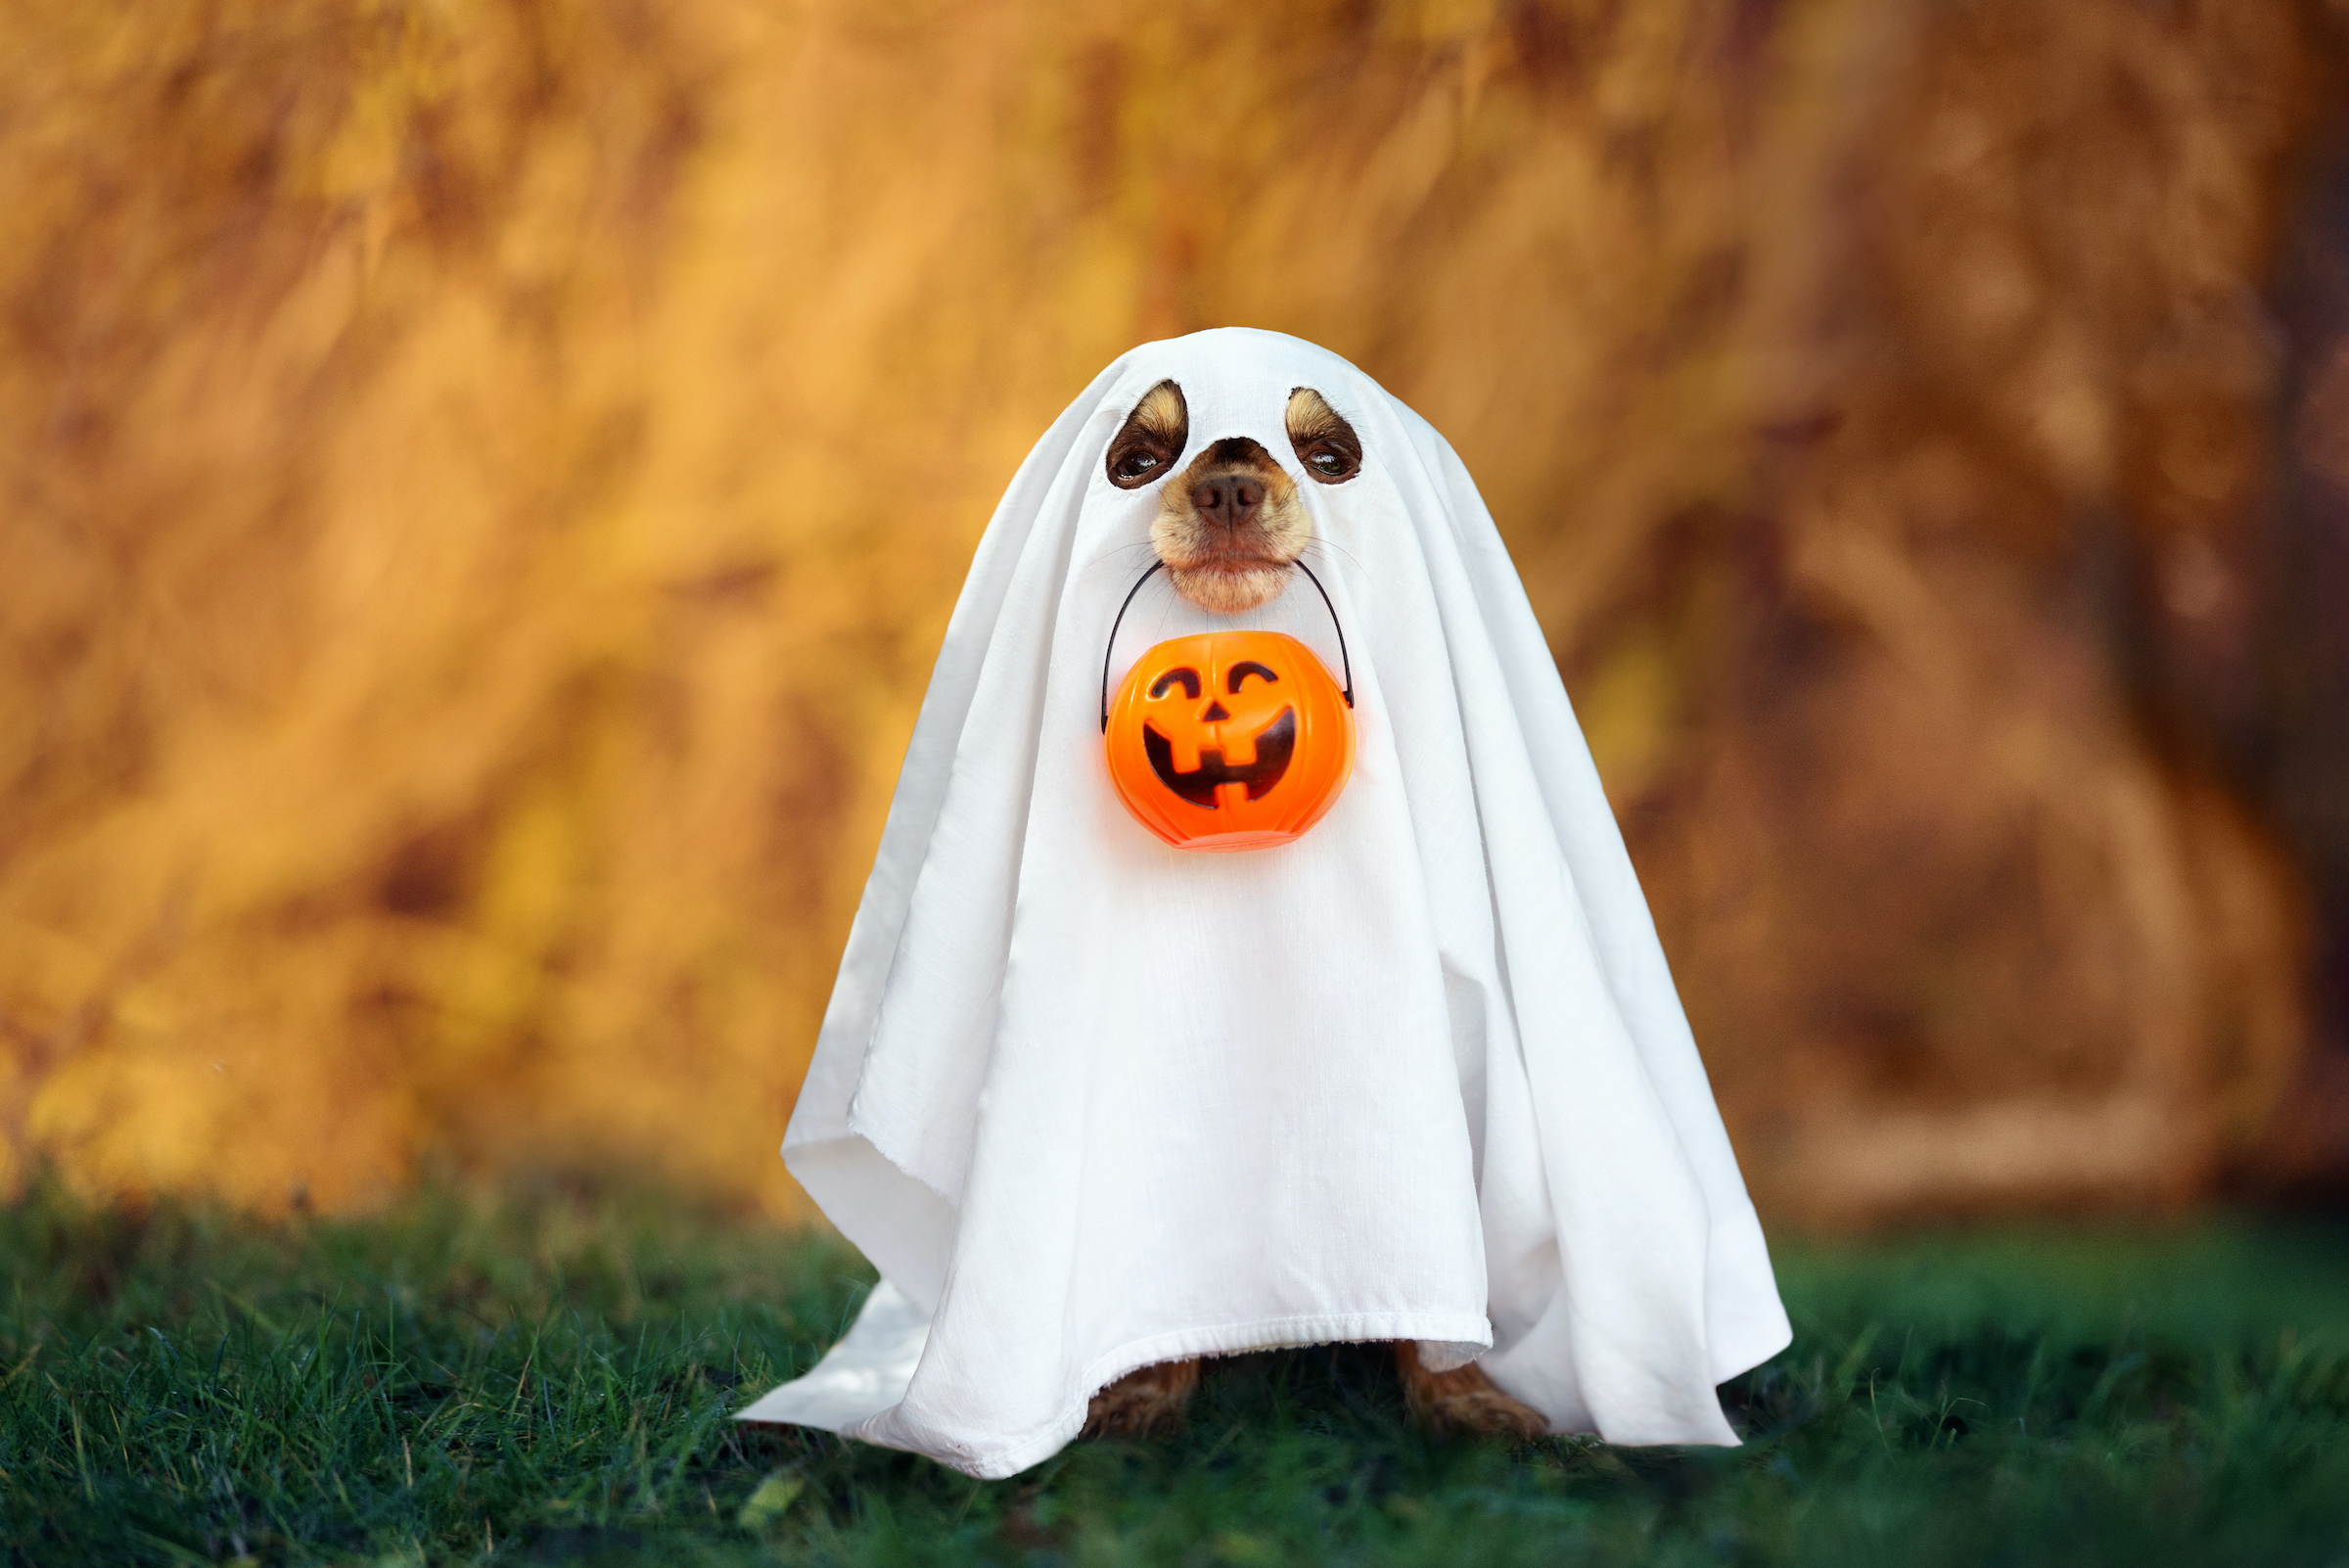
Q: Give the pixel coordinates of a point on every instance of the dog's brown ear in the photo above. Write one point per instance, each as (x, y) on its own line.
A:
(1151, 440)
(1325, 443)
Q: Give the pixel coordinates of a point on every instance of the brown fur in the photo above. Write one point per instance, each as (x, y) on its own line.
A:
(1325, 443)
(1230, 567)
(1219, 555)
(1462, 1400)
(1152, 437)
(1147, 1399)
(1156, 1399)
(1222, 563)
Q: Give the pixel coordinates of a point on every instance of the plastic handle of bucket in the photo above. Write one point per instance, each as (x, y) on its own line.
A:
(1345, 662)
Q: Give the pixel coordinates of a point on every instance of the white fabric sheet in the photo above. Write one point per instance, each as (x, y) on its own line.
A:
(866, 1371)
(1090, 1102)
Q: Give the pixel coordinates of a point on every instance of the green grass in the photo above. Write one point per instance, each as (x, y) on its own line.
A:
(552, 1374)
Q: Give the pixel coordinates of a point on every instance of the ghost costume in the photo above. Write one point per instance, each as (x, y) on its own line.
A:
(1090, 1102)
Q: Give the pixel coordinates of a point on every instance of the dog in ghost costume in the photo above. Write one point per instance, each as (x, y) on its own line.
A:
(1097, 1107)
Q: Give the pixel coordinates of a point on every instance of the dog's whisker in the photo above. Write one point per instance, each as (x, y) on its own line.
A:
(1328, 549)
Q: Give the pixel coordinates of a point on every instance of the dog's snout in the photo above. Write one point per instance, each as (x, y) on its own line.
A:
(1230, 526)
(1227, 499)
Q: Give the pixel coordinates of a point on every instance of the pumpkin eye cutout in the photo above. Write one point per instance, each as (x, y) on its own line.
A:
(1241, 672)
(1325, 443)
(1187, 679)
(1152, 437)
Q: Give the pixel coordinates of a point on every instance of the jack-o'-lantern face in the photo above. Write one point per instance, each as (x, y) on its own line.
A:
(1229, 740)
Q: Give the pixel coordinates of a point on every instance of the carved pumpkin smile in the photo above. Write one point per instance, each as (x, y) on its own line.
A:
(1198, 785)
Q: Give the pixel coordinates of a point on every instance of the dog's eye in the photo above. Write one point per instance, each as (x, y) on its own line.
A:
(1153, 435)
(1333, 465)
(1327, 446)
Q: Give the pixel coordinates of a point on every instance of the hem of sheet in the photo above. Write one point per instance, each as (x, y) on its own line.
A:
(1014, 1455)
(1285, 1333)
(863, 1374)
(1744, 1361)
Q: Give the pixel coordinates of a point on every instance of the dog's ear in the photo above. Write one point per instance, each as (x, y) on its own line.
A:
(1151, 440)
(1325, 443)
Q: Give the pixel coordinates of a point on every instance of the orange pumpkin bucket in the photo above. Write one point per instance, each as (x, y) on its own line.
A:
(1228, 740)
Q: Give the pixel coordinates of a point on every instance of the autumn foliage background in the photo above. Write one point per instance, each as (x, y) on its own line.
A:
(484, 482)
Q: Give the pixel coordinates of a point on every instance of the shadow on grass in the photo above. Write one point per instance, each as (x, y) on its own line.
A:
(546, 1377)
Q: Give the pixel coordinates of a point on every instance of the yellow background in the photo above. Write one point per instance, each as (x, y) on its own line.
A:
(485, 483)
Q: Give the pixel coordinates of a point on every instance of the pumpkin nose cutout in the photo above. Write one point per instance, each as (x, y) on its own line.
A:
(1215, 713)
(1228, 500)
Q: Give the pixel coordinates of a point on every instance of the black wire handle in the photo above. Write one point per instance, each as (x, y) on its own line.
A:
(1344, 663)
(1111, 651)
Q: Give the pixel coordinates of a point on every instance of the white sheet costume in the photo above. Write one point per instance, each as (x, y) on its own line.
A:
(1090, 1102)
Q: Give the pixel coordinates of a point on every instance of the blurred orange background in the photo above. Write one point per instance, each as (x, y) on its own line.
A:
(486, 481)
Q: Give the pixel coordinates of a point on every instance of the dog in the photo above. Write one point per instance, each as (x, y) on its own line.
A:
(1230, 525)
(1229, 530)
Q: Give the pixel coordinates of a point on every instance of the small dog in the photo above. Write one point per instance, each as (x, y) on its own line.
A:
(1230, 525)
(1228, 528)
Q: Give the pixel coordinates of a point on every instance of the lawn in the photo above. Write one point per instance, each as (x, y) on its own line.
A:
(545, 1379)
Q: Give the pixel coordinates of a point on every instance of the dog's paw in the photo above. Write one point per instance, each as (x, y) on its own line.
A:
(1462, 1400)
(1148, 1400)
(1481, 1410)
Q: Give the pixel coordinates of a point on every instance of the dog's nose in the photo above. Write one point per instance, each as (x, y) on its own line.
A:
(1227, 499)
